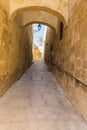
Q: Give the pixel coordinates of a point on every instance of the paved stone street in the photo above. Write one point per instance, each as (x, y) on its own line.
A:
(37, 102)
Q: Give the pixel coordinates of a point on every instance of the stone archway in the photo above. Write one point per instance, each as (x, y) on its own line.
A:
(57, 8)
(37, 8)
(30, 17)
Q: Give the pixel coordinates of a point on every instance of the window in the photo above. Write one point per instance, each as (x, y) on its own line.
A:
(61, 30)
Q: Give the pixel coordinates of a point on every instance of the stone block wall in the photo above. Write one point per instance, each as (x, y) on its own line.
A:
(15, 42)
(48, 46)
(69, 59)
(36, 52)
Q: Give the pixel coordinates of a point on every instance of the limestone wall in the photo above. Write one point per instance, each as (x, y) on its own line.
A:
(36, 52)
(67, 57)
(15, 56)
(49, 41)
(56, 7)
(69, 60)
(41, 17)
(5, 38)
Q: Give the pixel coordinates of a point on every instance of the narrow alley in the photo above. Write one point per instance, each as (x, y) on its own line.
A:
(37, 102)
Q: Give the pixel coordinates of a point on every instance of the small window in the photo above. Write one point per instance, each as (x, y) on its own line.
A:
(61, 30)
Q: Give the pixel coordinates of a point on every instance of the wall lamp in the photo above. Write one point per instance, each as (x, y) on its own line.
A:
(38, 28)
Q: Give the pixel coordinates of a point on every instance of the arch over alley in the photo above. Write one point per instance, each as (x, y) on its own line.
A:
(65, 52)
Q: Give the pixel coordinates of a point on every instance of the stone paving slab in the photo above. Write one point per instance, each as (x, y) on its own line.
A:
(37, 102)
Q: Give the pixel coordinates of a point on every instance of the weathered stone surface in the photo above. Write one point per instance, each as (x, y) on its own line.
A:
(37, 102)
(15, 56)
(36, 52)
(58, 8)
(43, 17)
(69, 55)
